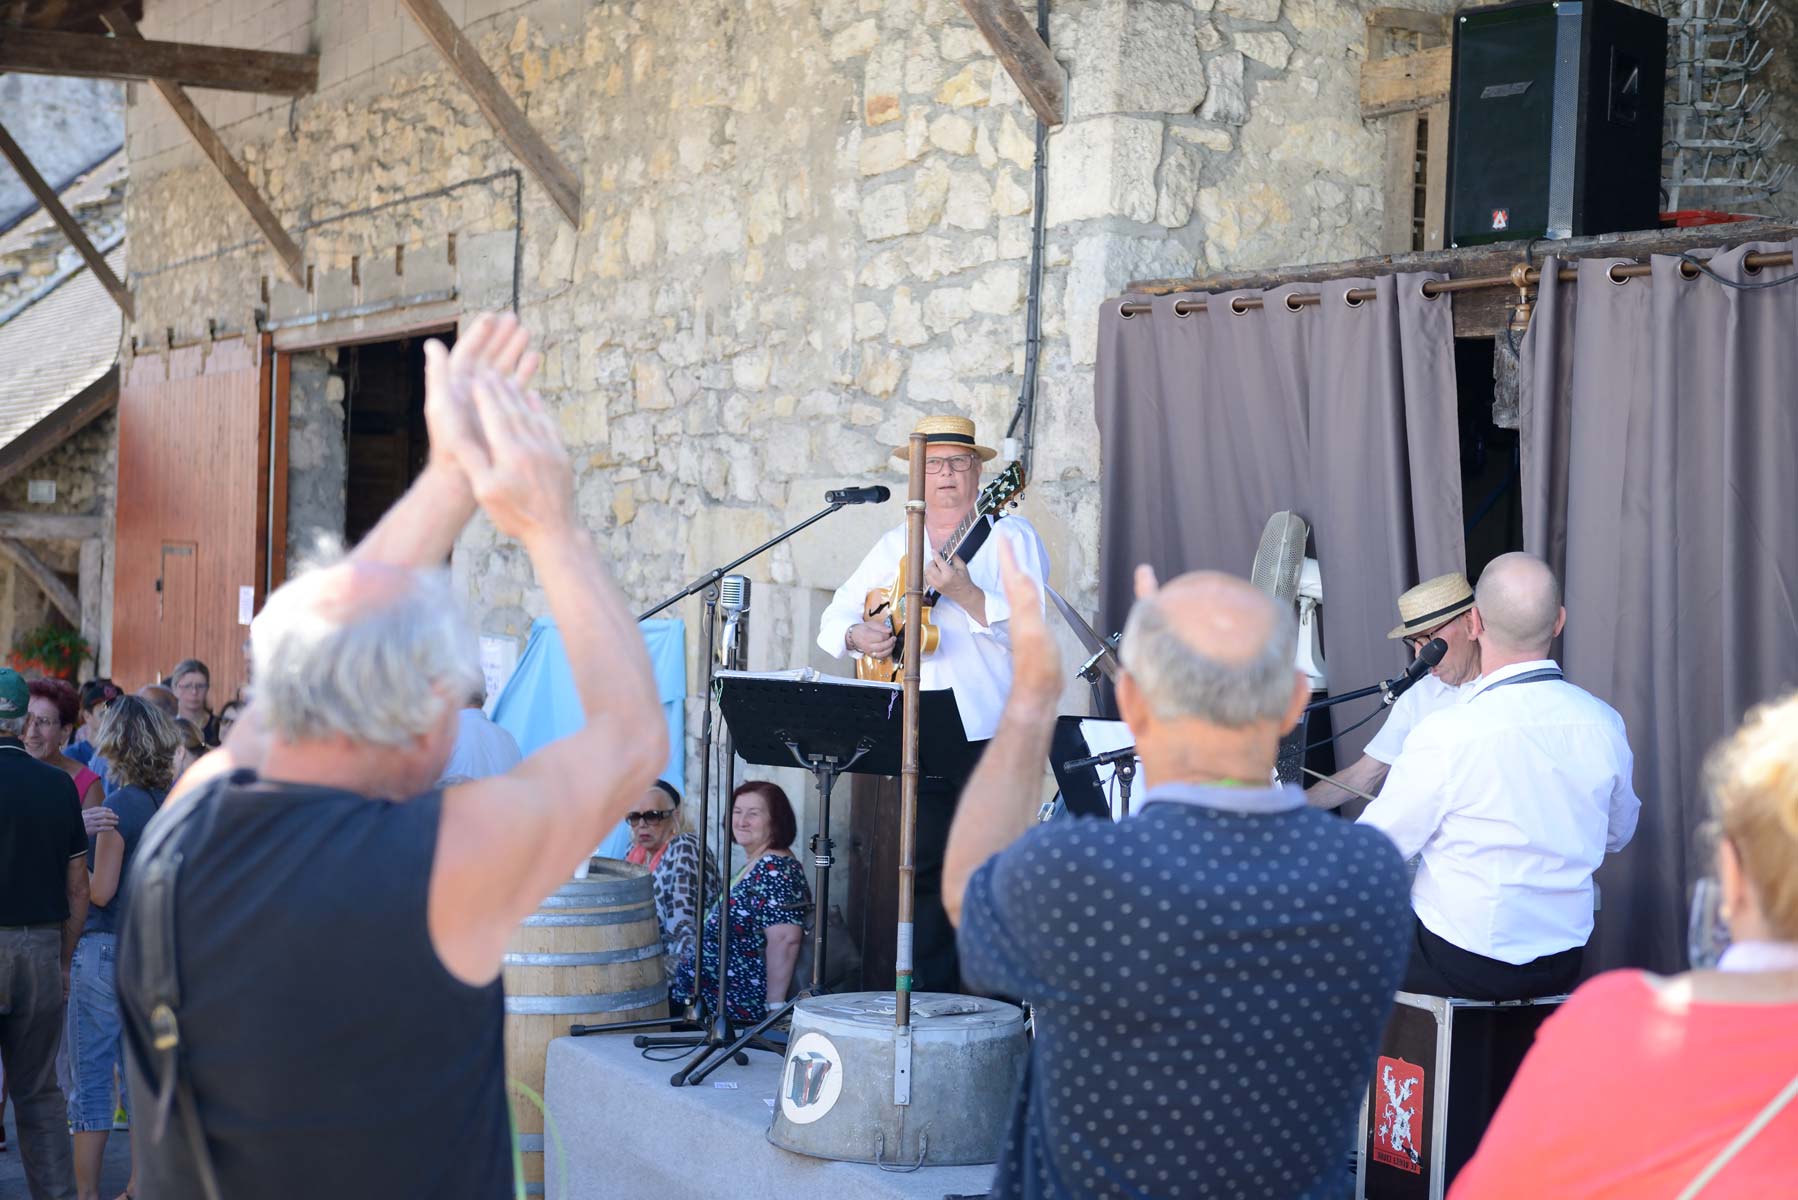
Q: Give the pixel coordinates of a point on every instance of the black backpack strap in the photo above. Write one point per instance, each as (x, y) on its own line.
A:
(150, 917)
(970, 546)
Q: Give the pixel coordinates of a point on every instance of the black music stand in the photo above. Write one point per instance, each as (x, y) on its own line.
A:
(829, 727)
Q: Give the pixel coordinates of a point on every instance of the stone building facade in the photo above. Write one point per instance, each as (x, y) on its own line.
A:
(805, 224)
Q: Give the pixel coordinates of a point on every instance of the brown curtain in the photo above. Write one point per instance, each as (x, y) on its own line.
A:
(1659, 427)
(1212, 422)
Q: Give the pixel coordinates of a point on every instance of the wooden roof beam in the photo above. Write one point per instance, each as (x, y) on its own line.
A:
(71, 229)
(1021, 51)
(122, 26)
(225, 68)
(46, 579)
(72, 527)
(506, 118)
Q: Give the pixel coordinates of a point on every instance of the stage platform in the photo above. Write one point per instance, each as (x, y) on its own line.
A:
(626, 1133)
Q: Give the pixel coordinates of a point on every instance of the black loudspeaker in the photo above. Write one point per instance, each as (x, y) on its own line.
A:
(1555, 121)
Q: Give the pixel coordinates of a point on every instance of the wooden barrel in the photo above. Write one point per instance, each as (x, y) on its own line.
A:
(591, 955)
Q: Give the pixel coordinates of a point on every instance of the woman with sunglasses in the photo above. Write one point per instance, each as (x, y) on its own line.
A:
(662, 841)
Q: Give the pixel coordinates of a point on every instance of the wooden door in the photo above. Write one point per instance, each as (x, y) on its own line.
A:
(196, 432)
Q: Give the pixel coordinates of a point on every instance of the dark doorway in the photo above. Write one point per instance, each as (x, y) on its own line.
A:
(1491, 483)
(384, 426)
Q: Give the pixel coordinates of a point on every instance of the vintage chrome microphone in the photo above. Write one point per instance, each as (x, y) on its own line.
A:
(733, 601)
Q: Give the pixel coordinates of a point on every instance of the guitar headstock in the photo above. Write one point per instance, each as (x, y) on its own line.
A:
(1002, 493)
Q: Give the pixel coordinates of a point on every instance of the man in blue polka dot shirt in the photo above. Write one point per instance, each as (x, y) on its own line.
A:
(1210, 976)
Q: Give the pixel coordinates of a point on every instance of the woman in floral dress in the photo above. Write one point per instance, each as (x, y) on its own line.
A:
(769, 902)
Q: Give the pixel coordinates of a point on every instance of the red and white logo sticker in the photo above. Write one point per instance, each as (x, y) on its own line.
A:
(1501, 218)
(1399, 1091)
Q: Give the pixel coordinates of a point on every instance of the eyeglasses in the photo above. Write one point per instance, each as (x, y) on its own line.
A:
(199, 686)
(1418, 641)
(654, 816)
(35, 722)
(961, 464)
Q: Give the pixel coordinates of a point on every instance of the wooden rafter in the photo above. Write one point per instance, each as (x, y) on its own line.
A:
(59, 14)
(225, 68)
(72, 527)
(46, 579)
(201, 130)
(75, 414)
(506, 118)
(1021, 51)
(71, 229)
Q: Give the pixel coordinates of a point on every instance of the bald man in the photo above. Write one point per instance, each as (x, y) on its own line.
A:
(334, 918)
(1177, 961)
(1512, 797)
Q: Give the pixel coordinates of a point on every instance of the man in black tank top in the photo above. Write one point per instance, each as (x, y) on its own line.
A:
(310, 966)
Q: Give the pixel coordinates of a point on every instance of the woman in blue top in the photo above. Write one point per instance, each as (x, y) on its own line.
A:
(769, 899)
(138, 741)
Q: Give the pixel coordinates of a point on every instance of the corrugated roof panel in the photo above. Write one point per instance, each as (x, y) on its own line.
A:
(60, 345)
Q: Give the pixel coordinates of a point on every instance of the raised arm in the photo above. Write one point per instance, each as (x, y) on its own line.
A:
(506, 842)
(1001, 799)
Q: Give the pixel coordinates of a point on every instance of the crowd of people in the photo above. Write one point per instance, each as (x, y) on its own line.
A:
(88, 770)
(1209, 977)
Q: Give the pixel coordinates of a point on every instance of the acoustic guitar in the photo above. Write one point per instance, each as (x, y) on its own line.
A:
(887, 605)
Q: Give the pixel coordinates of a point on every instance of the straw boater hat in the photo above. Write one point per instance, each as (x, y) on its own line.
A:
(1431, 603)
(947, 431)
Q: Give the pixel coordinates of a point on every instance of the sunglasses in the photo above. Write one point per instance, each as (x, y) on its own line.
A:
(654, 816)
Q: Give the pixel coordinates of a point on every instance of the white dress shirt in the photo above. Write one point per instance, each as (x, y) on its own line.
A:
(1422, 698)
(1512, 797)
(972, 659)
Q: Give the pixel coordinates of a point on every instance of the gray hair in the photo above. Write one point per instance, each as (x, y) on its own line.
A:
(13, 726)
(1181, 683)
(382, 677)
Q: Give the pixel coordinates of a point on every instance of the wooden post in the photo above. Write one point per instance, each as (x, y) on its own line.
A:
(201, 131)
(46, 580)
(46, 196)
(90, 593)
(512, 126)
(1041, 80)
(908, 769)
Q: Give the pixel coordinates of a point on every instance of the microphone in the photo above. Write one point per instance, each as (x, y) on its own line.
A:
(1426, 659)
(733, 598)
(859, 495)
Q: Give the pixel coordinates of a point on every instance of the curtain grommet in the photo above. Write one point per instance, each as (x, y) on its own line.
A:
(1688, 270)
(1124, 312)
(1292, 302)
(1353, 301)
(1750, 268)
(1236, 306)
(1183, 310)
(1423, 289)
(1610, 273)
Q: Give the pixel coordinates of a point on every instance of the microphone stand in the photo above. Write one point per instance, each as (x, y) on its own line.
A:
(719, 1032)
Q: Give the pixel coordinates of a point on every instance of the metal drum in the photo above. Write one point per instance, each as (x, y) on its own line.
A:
(592, 955)
(836, 1087)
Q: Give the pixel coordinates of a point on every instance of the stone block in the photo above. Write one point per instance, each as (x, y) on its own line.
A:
(905, 321)
(970, 203)
(1103, 265)
(963, 41)
(969, 87)
(1270, 47)
(1137, 56)
(884, 152)
(999, 290)
(870, 321)
(1011, 196)
(855, 41)
(1180, 169)
(1251, 10)
(885, 212)
(952, 133)
(1104, 167)
(945, 308)
(1015, 144)
(1226, 102)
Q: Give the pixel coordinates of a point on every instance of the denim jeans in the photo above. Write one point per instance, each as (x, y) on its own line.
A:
(93, 1032)
(30, 1027)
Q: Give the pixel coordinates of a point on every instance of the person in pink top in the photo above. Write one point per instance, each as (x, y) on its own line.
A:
(1646, 1087)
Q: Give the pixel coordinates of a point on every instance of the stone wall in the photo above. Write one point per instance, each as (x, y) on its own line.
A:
(64, 126)
(806, 223)
(317, 461)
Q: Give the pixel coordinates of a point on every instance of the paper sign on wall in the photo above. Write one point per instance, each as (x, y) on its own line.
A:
(499, 658)
(246, 604)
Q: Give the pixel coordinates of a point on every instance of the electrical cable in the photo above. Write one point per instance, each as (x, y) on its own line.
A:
(1741, 285)
(1364, 720)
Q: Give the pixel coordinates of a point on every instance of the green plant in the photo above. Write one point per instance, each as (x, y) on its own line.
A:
(51, 651)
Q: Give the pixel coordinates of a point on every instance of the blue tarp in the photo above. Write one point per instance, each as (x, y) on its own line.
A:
(539, 703)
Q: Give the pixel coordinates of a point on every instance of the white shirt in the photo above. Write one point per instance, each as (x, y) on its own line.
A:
(482, 748)
(973, 660)
(1422, 698)
(1512, 797)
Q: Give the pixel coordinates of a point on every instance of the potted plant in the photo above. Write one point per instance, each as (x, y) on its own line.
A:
(47, 650)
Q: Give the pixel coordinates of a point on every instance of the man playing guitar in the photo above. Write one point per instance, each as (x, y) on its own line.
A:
(973, 652)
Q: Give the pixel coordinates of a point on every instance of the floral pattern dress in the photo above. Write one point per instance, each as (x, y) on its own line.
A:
(771, 892)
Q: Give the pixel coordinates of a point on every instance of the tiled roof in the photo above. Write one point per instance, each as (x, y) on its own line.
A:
(61, 344)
